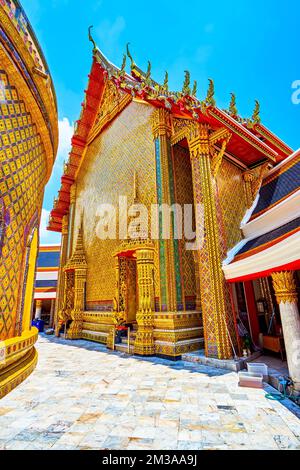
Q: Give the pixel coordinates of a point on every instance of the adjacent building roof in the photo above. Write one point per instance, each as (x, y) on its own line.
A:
(47, 272)
(268, 239)
(280, 184)
(272, 234)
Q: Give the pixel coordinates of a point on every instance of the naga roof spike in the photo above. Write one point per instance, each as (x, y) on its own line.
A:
(232, 107)
(256, 113)
(129, 55)
(92, 39)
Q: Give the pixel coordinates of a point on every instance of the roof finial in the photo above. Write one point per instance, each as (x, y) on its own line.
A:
(148, 74)
(194, 91)
(256, 113)
(166, 82)
(123, 63)
(92, 39)
(130, 56)
(232, 107)
(186, 90)
(210, 100)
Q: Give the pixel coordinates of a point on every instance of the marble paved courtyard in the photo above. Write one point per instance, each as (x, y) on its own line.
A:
(83, 397)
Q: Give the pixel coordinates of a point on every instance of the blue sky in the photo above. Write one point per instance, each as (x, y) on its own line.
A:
(250, 48)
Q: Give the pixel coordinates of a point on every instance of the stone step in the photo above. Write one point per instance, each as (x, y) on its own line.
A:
(125, 340)
(123, 348)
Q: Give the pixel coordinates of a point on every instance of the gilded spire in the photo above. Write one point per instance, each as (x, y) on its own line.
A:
(232, 107)
(92, 39)
(256, 113)
(132, 64)
(210, 100)
(186, 90)
(78, 257)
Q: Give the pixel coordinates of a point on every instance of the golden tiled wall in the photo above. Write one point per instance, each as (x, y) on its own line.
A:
(233, 201)
(184, 195)
(107, 172)
(22, 179)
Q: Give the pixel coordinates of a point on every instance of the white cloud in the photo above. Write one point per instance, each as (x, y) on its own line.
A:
(47, 237)
(66, 130)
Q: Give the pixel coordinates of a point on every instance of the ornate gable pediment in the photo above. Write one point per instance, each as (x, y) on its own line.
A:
(114, 100)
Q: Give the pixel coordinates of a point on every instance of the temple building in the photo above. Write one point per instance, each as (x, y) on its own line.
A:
(265, 266)
(46, 283)
(138, 140)
(28, 144)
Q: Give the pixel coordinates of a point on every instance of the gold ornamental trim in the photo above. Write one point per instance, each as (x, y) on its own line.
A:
(43, 87)
(161, 123)
(285, 287)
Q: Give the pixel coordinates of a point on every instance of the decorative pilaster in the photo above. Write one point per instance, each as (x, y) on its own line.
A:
(171, 287)
(144, 343)
(214, 291)
(71, 220)
(63, 260)
(75, 329)
(286, 296)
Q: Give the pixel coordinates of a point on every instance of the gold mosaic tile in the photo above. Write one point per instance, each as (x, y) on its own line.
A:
(107, 172)
(22, 179)
(233, 201)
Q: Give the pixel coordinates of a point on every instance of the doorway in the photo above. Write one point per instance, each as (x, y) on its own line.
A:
(127, 284)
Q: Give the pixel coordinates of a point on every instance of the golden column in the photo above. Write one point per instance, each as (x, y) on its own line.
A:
(75, 329)
(62, 262)
(161, 128)
(214, 292)
(144, 343)
(78, 264)
(286, 296)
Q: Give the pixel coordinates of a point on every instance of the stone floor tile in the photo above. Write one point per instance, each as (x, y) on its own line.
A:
(121, 402)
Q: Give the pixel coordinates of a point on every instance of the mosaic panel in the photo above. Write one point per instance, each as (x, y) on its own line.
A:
(22, 179)
(233, 201)
(107, 172)
(184, 195)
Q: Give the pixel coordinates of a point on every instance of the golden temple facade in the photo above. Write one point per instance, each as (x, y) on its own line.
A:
(28, 144)
(137, 139)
